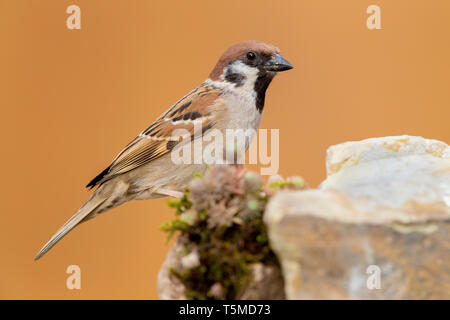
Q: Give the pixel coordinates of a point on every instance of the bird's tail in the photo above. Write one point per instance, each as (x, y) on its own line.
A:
(86, 211)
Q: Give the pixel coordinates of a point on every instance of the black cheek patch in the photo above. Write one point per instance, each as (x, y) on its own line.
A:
(235, 78)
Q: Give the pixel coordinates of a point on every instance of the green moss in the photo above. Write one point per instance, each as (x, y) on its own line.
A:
(281, 184)
(172, 226)
(180, 205)
(296, 183)
(228, 236)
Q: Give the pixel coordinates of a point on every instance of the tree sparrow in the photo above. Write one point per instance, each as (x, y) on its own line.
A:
(231, 98)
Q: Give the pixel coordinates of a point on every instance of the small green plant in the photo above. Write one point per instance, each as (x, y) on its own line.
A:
(221, 228)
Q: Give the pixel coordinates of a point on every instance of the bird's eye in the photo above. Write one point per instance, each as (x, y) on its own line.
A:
(251, 55)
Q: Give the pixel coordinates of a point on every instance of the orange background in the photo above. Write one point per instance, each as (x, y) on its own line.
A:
(71, 99)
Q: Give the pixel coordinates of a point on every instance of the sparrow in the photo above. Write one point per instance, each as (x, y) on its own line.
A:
(231, 98)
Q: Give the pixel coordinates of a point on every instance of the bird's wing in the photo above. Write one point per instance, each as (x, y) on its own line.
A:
(160, 137)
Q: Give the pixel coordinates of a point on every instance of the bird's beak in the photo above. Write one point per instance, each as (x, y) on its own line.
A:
(277, 63)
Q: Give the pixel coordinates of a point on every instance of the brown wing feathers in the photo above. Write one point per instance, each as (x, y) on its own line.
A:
(157, 139)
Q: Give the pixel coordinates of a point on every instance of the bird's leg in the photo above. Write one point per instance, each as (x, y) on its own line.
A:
(170, 193)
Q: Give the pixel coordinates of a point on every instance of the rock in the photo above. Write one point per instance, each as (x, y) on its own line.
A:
(380, 219)
(266, 281)
(169, 287)
(392, 173)
(352, 153)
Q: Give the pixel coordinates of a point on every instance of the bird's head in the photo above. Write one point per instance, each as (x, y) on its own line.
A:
(250, 65)
(249, 58)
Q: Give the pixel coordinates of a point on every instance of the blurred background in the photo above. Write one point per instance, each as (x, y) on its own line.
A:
(72, 99)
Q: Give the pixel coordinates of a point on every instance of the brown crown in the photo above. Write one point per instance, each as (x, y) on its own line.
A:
(238, 50)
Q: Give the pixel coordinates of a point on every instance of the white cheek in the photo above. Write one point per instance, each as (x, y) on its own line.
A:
(250, 73)
(244, 95)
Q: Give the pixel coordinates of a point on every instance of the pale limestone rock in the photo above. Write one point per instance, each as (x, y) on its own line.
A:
(169, 287)
(386, 202)
(266, 283)
(352, 153)
(393, 172)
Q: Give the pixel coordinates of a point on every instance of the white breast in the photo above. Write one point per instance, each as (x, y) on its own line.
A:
(240, 100)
